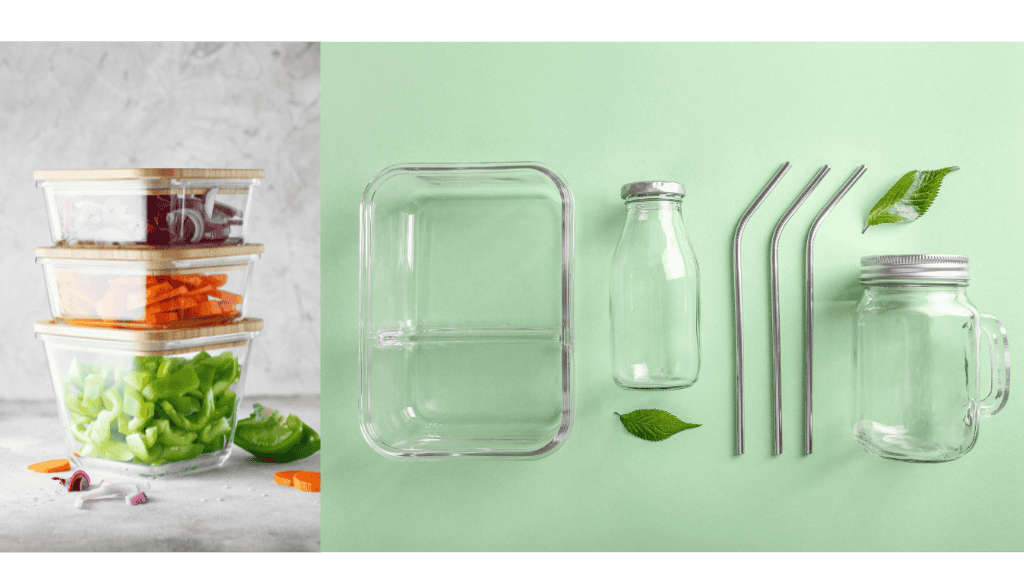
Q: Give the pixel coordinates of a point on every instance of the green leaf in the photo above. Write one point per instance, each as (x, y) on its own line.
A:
(653, 425)
(908, 198)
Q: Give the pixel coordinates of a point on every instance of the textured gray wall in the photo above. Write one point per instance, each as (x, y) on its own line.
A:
(167, 104)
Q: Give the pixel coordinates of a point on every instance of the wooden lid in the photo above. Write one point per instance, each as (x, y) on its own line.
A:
(148, 336)
(146, 173)
(146, 254)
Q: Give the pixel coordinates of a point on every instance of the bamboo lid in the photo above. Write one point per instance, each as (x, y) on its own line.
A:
(147, 173)
(148, 336)
(148, 254)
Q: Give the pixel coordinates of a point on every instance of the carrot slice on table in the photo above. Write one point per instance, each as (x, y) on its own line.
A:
(51, 466)
(307, 481)
(284, 477)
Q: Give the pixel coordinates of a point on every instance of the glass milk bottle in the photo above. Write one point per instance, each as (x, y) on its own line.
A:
(655, 293)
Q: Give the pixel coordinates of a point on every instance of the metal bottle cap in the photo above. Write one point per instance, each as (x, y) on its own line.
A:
(914, 267)
(653, 188)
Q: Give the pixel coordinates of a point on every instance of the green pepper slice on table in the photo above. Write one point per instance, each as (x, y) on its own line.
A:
(271, 437)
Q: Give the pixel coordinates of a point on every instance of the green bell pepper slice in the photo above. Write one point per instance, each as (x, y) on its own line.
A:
(145, 453)
(177, 384)
(178, 453)
(308, 445)
(214, 429)
(190, 425)
(270, 437)
(225, 407)
(171, 437)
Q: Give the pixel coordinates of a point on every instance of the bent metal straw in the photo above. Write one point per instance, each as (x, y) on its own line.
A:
(737, 262)
(809, 308)
(776, 339)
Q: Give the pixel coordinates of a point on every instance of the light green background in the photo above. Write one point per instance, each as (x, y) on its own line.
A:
(720, 118)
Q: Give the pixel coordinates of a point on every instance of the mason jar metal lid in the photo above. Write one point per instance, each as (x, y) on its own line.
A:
(914, 267)
(653, 188)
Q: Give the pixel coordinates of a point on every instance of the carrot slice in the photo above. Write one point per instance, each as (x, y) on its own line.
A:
(307, 481)
(217, 280)
(284, 477)
(190, 279)
(161, 317)
(51, 466)
(202, 309)
(226, 309)
(167, 294)
(201, 291)
(227, 296)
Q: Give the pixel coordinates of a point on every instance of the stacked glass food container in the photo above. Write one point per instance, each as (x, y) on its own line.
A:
(148, 281)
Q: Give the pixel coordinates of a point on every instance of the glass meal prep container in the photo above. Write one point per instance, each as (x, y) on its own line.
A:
(466, 334)
(148, 402)
(139, 288)
(148, 206)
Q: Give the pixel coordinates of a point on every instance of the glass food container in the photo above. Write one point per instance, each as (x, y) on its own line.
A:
(142, 288)
(148, 402)
(148, 206)
(654, 293)
(927, 363)
(466, 334)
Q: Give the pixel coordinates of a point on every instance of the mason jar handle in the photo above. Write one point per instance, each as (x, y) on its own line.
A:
(994, 387)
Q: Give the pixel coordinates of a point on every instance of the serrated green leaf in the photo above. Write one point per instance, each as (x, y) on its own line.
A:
(653, 425)
(908, 198)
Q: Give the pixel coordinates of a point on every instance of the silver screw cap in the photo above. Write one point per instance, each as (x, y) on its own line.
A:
(914, 267)
(653, 188)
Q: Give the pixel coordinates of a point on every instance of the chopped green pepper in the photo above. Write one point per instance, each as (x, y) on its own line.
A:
(271, 437)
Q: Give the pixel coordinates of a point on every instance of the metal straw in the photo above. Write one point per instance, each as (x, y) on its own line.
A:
(776, 339)
(737, 263)
(809, 309)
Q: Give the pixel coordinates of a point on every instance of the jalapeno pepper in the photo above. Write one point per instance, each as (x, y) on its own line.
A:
(271, 437)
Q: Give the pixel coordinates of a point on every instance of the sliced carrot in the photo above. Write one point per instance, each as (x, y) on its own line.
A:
(227, 296)
(190, 279)
(162, 318)
(205, 308)
(180, 303)
(307, 481)
(217, 280)
(158, 289)
(201, 291)
(167, 294)
(226, 309)
(153, 293)
(284, 477)
(51, 466)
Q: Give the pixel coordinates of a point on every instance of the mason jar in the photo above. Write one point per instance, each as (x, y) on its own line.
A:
(654, 292)
(927, 363)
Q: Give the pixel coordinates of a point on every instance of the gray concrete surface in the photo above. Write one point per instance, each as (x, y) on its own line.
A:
(244, 510)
